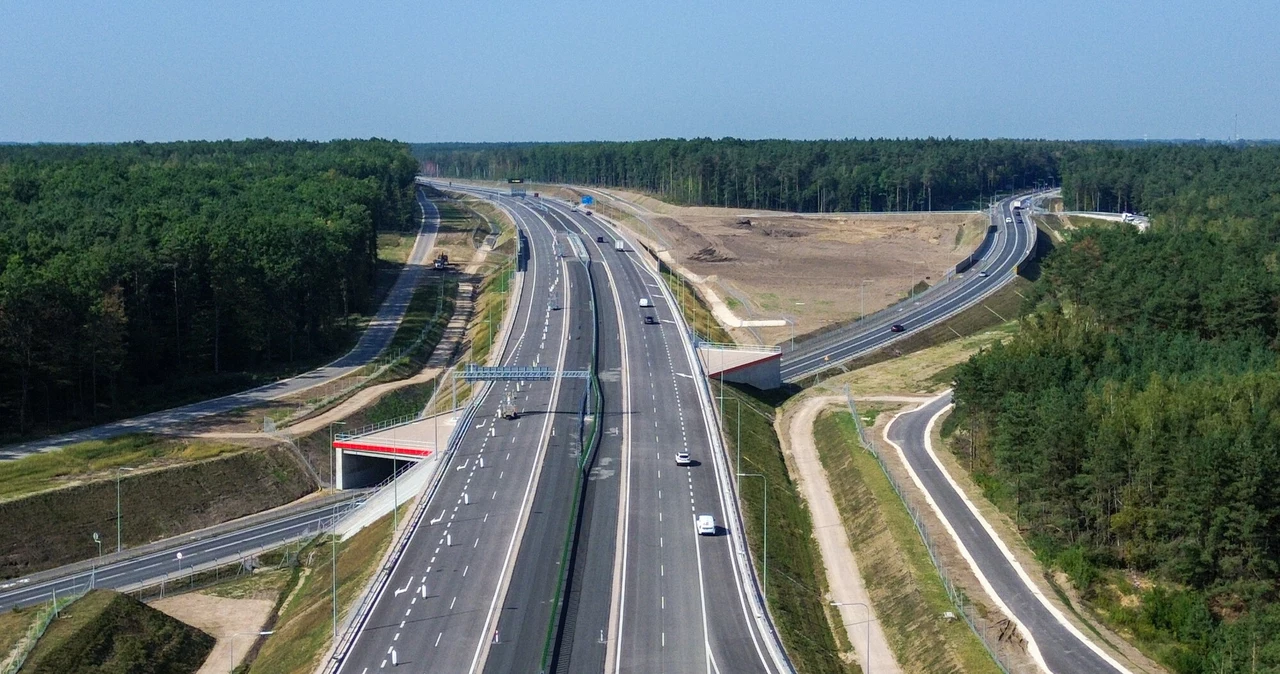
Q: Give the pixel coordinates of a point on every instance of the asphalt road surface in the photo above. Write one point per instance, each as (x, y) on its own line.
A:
(375, 338)
(1063, 650)
(681, 603)
(1013, 242)
(439, 610)
(161, 562)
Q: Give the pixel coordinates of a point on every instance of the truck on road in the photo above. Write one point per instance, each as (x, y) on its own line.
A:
(619, 245)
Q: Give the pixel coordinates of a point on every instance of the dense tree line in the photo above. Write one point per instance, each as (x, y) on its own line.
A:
(129, 267)
(1134, 422)
(1234, 187)
(836, 175)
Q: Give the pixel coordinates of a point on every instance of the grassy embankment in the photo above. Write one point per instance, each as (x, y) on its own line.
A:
(904, 586)
(110, 633)
(155, 504)
(303, 618)
(696, 312)
(797, 584)
(996, 311)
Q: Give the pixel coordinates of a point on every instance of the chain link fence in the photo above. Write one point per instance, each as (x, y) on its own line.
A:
(1000, 637)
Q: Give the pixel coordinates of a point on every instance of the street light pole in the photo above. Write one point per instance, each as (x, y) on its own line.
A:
(766, 528)
(93, 575)
(333, 533)
(867, 648)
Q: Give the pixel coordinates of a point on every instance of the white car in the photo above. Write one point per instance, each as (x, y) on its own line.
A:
(683, 459)
(1008, 221)
(644, 302)
(983, 274)
(706, 525)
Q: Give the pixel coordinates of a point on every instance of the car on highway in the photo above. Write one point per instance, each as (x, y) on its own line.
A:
(683, 459)
(983, 274)
(706, 525)
(650, 320)
(644, 302)
(1008, 220)
(588, 212)
(897, 327)
(599, 239)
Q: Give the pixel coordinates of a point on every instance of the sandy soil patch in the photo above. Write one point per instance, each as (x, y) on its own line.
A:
(806, 268)
(221, 618)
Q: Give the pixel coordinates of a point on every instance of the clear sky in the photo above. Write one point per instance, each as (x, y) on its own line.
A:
(97, 70)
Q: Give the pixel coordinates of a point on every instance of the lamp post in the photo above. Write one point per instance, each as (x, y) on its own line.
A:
(119, 516)
(867, 647)
(231, 645)
(333, 534)
(93, 573)
(766, 528)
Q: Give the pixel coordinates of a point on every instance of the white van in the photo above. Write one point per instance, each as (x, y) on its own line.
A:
(644, 302)
(706, 525)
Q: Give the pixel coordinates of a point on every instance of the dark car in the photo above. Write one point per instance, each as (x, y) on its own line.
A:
(650, 320)
(599, 239)
(896, 327)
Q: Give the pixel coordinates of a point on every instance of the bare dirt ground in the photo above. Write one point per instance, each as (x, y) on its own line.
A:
(221, 618)
(806, 268)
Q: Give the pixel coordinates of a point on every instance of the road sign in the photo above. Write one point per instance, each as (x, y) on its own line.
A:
(587, 200)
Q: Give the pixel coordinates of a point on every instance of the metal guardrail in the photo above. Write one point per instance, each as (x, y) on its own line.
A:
(762, 348)
(958, 599)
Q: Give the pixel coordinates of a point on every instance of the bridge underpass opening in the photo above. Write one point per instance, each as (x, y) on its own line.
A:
(368, 456)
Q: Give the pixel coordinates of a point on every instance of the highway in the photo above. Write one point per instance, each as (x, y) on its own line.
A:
(1057, 647)
(439, 609)
(222, 544)
(1013, 243)
(375, 338)
(647, 593)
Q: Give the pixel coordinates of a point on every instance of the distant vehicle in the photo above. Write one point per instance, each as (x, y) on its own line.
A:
(706, 525)
(599, 239)
(619, 245)
(682, 459)
(575, 208)
(553, 306)
(1127, 217)
(1008, 221)
(441, 261)
(983, 274)
(644, 302)
(535, 195)
(897, 327)
(587, 211)
(650, 320)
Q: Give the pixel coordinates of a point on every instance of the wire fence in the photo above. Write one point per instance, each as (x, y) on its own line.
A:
(1000, 638)
(47, 613)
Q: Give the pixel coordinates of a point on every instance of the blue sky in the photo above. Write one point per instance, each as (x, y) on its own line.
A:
(569, 70)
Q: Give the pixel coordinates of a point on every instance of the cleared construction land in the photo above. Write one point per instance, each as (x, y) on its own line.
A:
(806, 268)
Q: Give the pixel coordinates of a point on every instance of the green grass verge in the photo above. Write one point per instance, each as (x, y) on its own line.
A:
(110, 633)
(904, 586)
(97, 458)
(999, 309)
(56, 527)
(696, 312)
(394, 247)
(304, 623)
(14, 625)
(797, 584)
